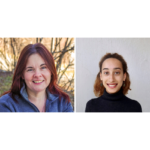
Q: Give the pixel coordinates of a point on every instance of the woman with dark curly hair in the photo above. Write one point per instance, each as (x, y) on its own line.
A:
(34, 86)
(111, 85)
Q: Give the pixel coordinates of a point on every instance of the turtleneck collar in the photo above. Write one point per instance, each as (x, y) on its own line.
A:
(115, 96)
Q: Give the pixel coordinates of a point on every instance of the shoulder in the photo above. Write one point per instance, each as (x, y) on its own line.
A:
(6, 103)
(61, 104)
(134, 104)
(132, 101)
(66, 106)
(90, 105)
(93, 101)
(5, 98)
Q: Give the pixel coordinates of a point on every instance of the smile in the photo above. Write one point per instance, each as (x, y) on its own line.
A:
(112, 86)
(37, 82)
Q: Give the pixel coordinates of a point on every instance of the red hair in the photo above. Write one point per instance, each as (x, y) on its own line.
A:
(21, 64)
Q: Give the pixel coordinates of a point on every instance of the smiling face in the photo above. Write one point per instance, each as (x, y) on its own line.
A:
(36, 75)
(112, 75)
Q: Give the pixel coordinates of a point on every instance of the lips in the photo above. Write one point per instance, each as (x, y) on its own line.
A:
(112, 86)
(38, 82)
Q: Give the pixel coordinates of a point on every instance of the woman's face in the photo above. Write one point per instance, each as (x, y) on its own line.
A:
(112, 75)
(36, 75)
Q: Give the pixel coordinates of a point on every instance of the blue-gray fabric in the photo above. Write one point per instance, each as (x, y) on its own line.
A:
(53, 104)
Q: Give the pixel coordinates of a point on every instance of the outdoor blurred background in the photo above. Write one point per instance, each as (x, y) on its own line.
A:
(62, 50)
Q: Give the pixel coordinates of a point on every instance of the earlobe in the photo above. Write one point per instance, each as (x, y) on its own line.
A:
(124, 76)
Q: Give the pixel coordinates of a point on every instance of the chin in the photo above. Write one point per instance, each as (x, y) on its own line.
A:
(39, 90)
(112, 91)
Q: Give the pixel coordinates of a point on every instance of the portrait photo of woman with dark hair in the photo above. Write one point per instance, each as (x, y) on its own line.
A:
(112, 74)
(34, 87)
(111, 85)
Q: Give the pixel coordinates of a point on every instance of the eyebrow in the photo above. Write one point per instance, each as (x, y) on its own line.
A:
(108, 69)
(40, 66)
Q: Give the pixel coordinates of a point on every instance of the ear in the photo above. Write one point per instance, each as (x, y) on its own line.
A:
(124, 76)
(22, 77)
(101, 78)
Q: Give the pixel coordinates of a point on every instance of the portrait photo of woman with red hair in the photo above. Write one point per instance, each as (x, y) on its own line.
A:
(34, 87)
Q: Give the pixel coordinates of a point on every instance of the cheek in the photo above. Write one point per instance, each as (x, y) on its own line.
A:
(120, 79)
(48, 75)
(27, 76)
(105, 78)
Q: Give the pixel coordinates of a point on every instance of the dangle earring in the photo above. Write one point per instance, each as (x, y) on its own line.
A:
(123, 84)
(101, 84)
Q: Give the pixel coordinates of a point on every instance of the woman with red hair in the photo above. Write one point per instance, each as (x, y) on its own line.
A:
(34, 87)
(111, 85)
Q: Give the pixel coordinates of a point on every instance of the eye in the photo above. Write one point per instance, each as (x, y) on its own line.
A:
(43, 68)
(106, 73)
(117, 73)
(30, 70)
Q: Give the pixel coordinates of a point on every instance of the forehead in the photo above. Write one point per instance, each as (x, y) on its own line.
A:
(112, 63)
(35, 60)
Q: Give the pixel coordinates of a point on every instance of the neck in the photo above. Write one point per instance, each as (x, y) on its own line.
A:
(36, 96)
(38, 99)
(115, 96)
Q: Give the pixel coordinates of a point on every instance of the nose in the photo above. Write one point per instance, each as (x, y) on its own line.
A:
(37, 73)
(111, 77)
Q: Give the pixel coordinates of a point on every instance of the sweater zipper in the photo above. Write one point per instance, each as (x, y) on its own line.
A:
(45, 107)
(33, 106)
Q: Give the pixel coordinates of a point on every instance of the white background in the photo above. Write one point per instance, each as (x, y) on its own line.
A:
(136, 52)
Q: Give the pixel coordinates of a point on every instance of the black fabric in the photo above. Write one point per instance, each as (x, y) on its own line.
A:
(117, 102)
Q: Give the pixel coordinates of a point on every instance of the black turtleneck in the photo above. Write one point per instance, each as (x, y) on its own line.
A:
(117, 102)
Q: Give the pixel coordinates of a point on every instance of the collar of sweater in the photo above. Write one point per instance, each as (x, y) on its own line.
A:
(116, 96)
(51, 97)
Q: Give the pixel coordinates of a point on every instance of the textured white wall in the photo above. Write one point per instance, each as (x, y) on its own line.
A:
(136, 52)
